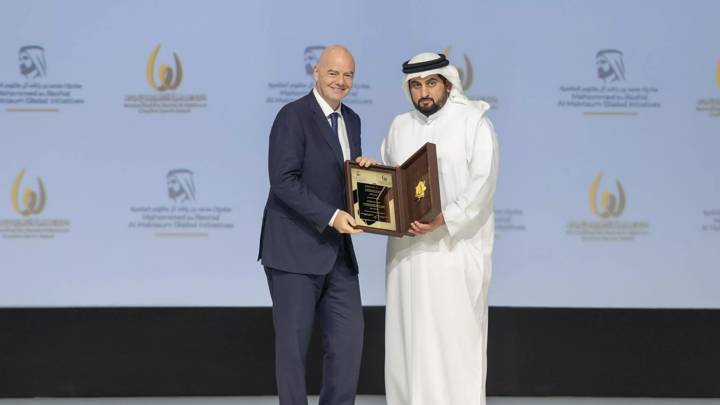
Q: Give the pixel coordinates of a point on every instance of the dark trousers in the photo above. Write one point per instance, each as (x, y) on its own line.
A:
(334, 300)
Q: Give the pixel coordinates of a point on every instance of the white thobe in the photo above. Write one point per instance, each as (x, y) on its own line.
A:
(437, 284)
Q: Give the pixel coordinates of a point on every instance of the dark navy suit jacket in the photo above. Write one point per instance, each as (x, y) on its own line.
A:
(307, 185)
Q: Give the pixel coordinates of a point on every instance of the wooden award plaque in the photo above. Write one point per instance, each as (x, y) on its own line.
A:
(386, 199)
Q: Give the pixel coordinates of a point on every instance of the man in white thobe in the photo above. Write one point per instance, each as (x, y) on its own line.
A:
(437, 281)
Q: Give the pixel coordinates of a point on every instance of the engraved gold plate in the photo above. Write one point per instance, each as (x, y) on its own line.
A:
(373, 205)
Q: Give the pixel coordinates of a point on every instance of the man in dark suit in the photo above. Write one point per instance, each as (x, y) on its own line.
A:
(305, 244)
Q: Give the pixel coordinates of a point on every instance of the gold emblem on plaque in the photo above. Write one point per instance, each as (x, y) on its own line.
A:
(420, 190)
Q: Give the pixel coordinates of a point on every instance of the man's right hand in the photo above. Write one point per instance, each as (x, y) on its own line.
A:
(344, 223)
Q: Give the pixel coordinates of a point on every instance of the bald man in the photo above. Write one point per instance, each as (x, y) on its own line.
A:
(305, 245)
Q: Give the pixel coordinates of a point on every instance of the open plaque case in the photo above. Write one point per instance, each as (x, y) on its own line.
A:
(386, 199)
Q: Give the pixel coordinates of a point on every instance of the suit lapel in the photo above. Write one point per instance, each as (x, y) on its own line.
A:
(324, 127)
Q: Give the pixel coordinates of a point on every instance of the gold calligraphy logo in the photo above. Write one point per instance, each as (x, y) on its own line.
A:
(610, 204)
(32, 202)
(420, 190)
(466, 75)
(169, 79)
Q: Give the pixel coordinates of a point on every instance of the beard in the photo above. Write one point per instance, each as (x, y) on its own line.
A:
(26, 70)
(176, 193)
(604, 74)
(434, 106)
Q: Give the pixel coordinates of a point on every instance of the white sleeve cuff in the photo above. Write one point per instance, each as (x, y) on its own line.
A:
(333, 218)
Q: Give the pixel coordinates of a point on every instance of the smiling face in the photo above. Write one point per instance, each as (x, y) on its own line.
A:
(430, 93)
(334, 74)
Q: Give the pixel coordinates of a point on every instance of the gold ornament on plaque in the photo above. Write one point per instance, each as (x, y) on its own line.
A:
(420, 190)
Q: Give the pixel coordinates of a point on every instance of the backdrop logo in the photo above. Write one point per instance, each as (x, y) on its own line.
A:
(466, 74)
(610, 204)
(32, 202)
(169, 79)
(610, 65)
(36, 93)
(184, 217)
(615, 96)
(312, 56)
(32, 62)
(181, 185)
(165, 80)
(605, 225)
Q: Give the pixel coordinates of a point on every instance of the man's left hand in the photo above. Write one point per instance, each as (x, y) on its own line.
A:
(419, 228)
(365, 161)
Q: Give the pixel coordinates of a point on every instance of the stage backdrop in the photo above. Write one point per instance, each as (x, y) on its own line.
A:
(133, 154)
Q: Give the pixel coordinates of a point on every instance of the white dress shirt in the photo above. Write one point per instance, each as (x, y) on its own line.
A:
(342, 132)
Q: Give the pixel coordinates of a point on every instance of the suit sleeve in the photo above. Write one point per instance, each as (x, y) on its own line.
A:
(475, 201)
(285, 163)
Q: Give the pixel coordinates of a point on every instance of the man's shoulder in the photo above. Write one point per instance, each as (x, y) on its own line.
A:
(296, 107)
(402, 118)
(473, 111)
(299, 104)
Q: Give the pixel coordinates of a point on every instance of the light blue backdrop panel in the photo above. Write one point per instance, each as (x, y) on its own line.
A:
(153, 188)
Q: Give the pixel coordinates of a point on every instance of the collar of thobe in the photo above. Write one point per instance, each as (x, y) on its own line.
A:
(324, 106)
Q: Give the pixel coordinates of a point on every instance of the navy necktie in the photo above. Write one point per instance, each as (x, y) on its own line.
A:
(334, 122)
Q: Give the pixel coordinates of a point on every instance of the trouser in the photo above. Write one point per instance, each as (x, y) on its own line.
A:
(334, 300)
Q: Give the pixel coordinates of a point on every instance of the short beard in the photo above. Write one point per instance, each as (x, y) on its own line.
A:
(432, 108)
(605, 74)
(26, 70)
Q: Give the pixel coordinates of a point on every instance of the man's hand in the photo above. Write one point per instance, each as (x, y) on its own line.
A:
(344, 223)
(419, 228)
(365, 161)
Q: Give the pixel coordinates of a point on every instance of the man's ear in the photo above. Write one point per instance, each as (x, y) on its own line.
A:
(448, 87)
(316, 75)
